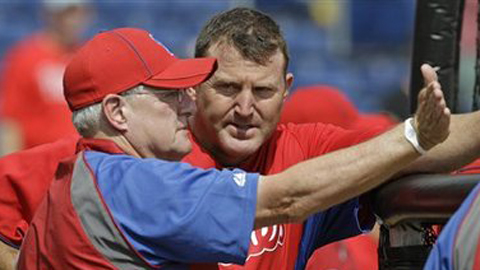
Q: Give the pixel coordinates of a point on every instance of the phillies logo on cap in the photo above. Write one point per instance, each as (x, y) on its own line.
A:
(161, 44)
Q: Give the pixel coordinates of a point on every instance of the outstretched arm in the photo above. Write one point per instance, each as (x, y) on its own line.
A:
(320, 183)
(461, 148)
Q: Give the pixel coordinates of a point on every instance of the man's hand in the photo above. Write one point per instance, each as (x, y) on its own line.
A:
(432, 119)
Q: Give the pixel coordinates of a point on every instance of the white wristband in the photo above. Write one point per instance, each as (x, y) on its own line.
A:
(411, 136)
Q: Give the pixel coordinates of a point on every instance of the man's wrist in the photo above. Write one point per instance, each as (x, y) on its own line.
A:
(412, 137)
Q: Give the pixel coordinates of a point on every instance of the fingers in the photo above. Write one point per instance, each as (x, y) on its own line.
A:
(429, 77)
(429, 74)
(435, 103)
(432, 119)
(445, 121)
(426, 102)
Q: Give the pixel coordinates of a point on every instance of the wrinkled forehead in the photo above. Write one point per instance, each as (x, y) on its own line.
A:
(247, 74)
(225, 50)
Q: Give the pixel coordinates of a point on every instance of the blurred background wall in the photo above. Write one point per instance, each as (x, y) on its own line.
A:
(359, 46)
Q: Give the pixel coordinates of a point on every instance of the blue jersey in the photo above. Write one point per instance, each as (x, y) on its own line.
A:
(457, 245)
(171, 211)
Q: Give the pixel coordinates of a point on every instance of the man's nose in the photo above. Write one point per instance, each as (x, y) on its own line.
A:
(244, 103)
(187, 105)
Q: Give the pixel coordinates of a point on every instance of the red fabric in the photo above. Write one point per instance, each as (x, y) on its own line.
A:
(115, 61)
(62, 234)
(24, 179)
(472, 168)
(357, 253)
(31, 90)
(289, 145)
(101, 145)
(476, 264)
(326, 104)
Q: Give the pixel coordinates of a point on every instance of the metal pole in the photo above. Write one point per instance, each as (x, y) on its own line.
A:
(476, 92)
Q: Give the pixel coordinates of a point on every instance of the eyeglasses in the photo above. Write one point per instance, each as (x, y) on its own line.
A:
(168, 96)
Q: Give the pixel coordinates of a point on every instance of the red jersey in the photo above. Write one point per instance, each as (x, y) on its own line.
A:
(472, 168)
(350, 254)
(24, 179)
(32, 90)
(288, 246)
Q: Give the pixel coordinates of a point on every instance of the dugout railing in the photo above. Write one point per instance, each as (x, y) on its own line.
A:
(411, 211)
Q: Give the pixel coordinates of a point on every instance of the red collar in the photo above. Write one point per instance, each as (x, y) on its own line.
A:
(100, 145)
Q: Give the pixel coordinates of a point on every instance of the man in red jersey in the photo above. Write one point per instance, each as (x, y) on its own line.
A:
(20, 196)
(24, 180)
(31, 89)
(235, 125)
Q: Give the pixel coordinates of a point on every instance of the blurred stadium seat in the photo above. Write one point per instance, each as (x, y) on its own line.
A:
(367, 74)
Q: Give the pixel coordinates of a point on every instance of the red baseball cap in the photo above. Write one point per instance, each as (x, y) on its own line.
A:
(326, 104)
(319, 103)
(118, 60)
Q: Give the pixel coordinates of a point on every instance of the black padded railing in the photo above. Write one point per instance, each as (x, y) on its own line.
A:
(408, 207)
(429, 198)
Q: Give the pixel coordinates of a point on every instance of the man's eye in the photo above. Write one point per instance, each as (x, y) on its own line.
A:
(264, 92)
(173, 95)
(226, 89)
(170, 96)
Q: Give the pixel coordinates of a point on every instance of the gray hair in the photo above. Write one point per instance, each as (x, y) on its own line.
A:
(88, 120)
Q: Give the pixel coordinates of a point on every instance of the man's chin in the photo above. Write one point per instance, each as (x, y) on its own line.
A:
(177, 155)
(182, 150)
(240, 149)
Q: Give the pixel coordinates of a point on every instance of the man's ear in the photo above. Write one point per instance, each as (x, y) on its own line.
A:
(114, 108)
(289, 82)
